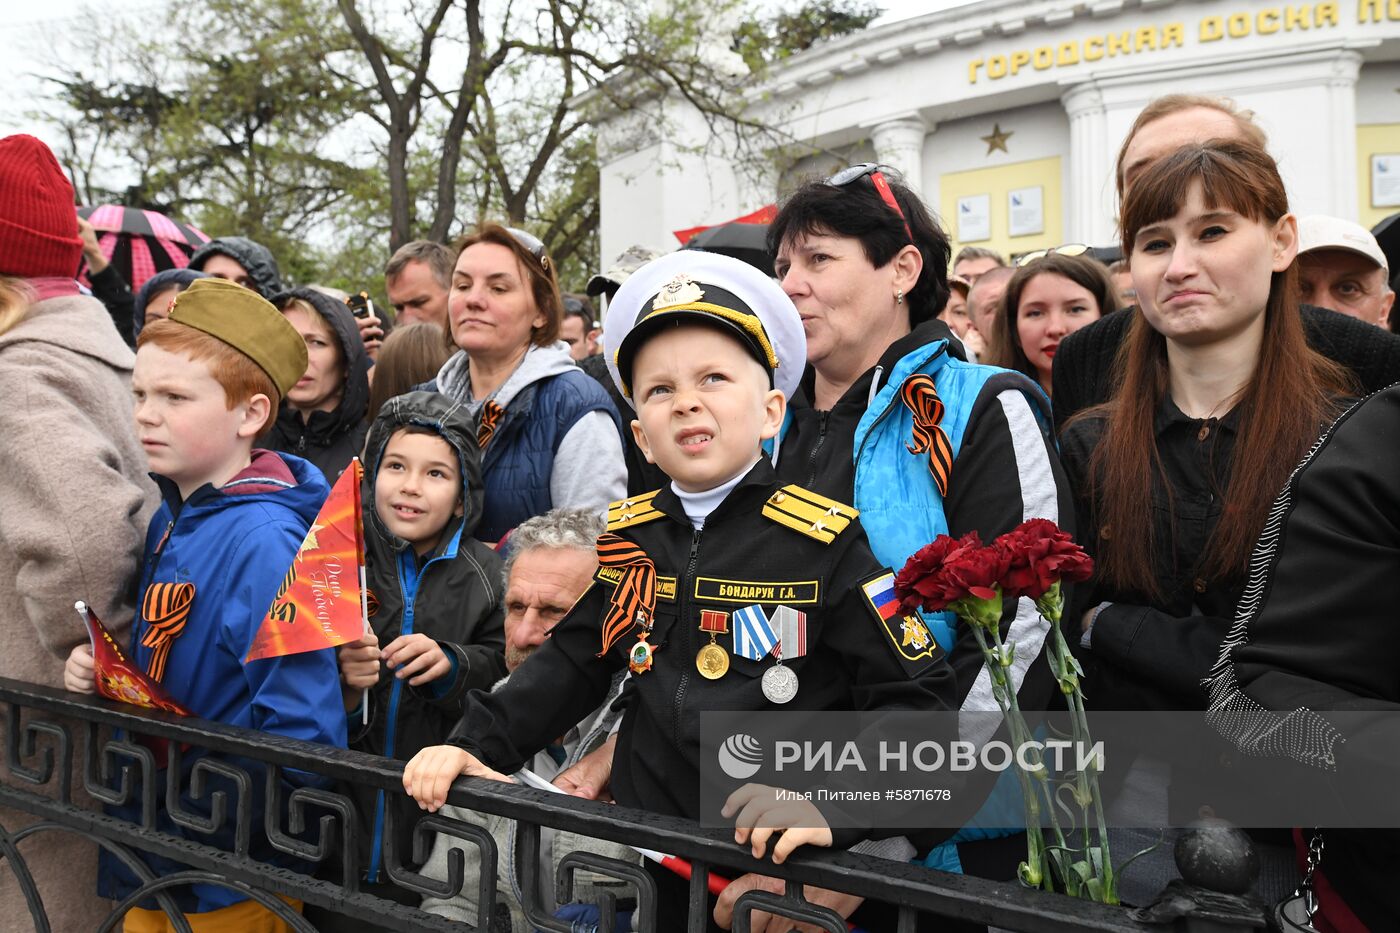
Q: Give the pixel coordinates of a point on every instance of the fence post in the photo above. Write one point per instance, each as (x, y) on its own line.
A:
(1218, 864)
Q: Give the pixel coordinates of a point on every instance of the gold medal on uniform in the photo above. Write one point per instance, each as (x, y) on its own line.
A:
(713, 661)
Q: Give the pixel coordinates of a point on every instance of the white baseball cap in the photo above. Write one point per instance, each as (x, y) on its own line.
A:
(1319, 231)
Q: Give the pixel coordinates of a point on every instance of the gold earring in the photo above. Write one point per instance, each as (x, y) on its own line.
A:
(899, 296)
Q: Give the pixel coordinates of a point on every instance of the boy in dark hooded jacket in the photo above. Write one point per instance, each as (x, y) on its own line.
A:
(307, 424)
(428, 577)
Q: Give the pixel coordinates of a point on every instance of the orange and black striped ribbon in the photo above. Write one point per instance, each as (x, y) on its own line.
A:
(920, 397)
(490, 417)
(166, 609)
(635, 593)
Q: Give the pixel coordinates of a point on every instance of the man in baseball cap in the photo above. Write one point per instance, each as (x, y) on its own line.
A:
(1342, 267)
(630, 260)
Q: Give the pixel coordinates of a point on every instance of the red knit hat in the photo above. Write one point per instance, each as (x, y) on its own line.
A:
(38, 219)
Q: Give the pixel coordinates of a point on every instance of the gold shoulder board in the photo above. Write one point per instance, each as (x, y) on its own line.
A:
(804, 511)
(625, 513)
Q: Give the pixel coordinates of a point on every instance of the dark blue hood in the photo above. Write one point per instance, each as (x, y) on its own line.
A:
(180, 278)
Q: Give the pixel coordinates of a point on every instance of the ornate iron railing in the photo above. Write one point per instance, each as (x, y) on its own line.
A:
(58, 729)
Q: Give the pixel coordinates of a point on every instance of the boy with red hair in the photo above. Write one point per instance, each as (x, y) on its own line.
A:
(207, 384)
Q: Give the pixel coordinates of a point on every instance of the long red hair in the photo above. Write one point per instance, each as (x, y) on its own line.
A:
(1293, 393)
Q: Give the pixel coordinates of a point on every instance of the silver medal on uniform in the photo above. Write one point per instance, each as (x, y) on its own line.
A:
(790, 627)
(779, 683)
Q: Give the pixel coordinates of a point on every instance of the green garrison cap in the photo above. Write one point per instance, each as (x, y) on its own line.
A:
(249, 323)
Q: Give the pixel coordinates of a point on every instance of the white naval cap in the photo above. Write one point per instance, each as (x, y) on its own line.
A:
(706, 287)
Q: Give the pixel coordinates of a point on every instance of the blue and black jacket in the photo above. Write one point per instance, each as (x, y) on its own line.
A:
(233, 545)
(1005, 470)
(454, 594)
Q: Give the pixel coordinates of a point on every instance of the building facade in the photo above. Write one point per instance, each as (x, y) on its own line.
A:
(1008, 114)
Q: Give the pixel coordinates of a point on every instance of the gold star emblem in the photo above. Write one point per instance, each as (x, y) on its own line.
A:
(996, 139)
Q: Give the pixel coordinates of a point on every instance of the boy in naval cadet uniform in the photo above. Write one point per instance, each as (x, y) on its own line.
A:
(722, 591)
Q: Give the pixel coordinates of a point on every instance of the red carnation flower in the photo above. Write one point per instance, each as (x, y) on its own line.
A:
(976, 572)
(921, 582)
(1039, 554)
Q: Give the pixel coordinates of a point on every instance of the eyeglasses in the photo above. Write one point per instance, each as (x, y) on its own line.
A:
(882, 187)
(532, 244)
(1069, 249)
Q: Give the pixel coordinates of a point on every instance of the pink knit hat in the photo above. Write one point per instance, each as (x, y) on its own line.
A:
(38, 219)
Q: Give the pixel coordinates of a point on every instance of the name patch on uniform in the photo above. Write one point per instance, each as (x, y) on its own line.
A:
(793, 592)
(665, 586)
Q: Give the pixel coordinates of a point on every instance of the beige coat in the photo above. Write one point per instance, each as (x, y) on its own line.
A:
(75, 500)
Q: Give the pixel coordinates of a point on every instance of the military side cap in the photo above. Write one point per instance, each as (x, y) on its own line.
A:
(249, 323)
(719, 291)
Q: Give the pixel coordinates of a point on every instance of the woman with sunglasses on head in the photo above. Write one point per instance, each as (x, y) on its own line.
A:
(865, 264)
(1217, 395)
(1050, 296)
(550, 436)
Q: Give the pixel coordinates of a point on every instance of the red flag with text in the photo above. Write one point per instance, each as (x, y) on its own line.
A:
(320, 603)
(119, 679)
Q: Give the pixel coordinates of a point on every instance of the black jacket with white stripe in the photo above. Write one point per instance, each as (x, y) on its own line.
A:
(992, 487)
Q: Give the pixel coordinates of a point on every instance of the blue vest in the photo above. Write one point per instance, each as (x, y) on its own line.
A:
(520, 458)
(900, 508)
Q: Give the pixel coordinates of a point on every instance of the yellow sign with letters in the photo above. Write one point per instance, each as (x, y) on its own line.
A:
(1140, 40)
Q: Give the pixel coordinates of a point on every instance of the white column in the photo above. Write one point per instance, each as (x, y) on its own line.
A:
(1339, 141)
(899, 143)
(1091, 215)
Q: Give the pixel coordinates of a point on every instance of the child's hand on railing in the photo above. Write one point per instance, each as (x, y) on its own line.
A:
(79, 674)
(431, 772)
(760, 810)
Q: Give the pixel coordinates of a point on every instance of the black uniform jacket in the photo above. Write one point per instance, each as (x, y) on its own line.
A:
(747, 553)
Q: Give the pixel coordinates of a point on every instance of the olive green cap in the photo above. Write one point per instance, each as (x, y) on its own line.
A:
(246, 321)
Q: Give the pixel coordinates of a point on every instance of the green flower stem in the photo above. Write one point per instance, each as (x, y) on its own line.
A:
(1021, 736)
(1065, 669)
(989, 620)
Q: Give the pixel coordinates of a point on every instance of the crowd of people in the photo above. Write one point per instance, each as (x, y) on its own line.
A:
(553, 495)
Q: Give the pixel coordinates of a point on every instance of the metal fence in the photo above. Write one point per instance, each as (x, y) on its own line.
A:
(132, 758)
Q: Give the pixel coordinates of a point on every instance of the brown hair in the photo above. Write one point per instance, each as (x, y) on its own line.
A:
(1291, 395)
(539, 272)
(1175, 103)
(979, 252)
(410, 356)
(239, 376)
(1084, 271)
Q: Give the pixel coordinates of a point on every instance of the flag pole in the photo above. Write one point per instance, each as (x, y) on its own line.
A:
(364, 616)
(364, 587)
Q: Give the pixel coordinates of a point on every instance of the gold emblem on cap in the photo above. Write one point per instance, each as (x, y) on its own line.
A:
(680, 290)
